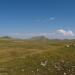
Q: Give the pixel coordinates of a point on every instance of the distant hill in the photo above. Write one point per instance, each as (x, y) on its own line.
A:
(6, 37)
(39, 38)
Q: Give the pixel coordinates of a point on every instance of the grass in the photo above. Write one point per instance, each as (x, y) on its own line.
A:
(36, 57)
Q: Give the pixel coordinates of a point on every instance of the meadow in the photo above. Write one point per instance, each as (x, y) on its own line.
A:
(37, 57)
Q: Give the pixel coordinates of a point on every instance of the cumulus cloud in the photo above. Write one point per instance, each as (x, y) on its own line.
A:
(65, 33)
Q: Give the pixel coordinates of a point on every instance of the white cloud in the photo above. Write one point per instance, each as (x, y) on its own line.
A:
(57, 34)
(65, 33)
(52, 18)
(32, 34)
(45, 19)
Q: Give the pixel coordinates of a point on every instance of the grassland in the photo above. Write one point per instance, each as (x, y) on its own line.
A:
(36, 57)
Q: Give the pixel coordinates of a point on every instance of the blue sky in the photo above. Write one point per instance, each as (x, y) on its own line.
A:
(25, 18)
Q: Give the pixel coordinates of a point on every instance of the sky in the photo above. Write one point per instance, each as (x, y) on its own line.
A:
(27, 18)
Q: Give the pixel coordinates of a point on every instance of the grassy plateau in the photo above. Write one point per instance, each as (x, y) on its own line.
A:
(37, 57)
